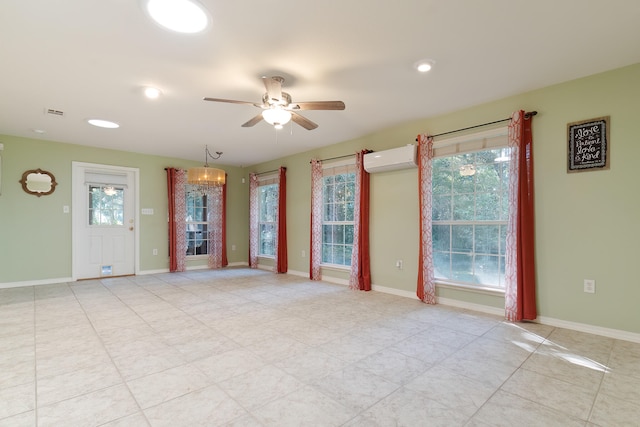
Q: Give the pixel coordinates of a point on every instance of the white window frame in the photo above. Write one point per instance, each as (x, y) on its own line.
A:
(191, 224)
(480, 141)
(263, 181)
(332, 169)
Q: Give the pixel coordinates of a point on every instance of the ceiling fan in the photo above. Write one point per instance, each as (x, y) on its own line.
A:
(278, 108)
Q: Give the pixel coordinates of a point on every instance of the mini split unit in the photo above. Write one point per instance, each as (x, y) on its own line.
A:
(389, 160)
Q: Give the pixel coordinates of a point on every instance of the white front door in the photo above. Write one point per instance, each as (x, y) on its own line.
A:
(104, 220)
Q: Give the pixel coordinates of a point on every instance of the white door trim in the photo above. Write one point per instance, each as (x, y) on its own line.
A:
(79, 168)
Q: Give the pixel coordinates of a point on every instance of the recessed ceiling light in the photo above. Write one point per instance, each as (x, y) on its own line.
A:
(182, 16)
(103, 123)
(424, 65)
(39, 131)
(152, 92)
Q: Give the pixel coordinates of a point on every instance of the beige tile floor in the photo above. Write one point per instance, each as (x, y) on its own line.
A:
(240, 347)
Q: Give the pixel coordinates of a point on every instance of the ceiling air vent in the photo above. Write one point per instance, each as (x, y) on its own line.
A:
(53, 112)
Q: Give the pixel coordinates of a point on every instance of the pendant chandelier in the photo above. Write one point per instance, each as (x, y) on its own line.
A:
(203, 178)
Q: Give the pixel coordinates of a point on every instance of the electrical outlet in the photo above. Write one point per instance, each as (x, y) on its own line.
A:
(590, 286)
(233, 247)
(155, 252)
(303, 253)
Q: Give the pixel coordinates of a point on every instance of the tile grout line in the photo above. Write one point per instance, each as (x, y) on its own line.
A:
(595, 398)
(35, 360)
(155, 332)
(124, 382)
(499, 388)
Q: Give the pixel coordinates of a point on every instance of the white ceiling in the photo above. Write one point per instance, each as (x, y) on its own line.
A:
(90, 58)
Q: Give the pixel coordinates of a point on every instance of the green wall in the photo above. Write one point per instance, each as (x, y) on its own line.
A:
(587, 224)
(35, 234)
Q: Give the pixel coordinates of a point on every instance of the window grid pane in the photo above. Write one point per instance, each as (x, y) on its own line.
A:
(196, 223)
(106, 205)
(469, 214)
(337, 218)
(267, 208)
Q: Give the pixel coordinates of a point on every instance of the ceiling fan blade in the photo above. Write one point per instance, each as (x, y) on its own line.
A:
(318, 105)
(231, 101)
(254, 121)
(273, 85)
(303, 121)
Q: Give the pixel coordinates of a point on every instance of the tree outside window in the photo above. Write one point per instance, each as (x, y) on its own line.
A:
(267, 219)
(106, 205)
(338, 218)
(196, 219)
(469, 217)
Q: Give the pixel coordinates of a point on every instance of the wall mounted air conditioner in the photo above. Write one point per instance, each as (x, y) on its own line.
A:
(389, 160)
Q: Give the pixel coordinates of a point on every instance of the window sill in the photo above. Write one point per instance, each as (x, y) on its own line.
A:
(336, 267)
(477, 289)
(267, 257)
(195, 257)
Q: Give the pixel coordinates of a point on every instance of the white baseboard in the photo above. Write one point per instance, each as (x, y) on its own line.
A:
(471, 306)
(335, 280)
(444, 301)
(158, 271)
(8, 285)
(394, 291)
(238, 264)
(195, 267)
(266, 267)
(558, 323)
(298, 273)
(590, 329)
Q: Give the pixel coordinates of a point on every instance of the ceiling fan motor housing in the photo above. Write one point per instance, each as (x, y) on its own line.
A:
(270, 102)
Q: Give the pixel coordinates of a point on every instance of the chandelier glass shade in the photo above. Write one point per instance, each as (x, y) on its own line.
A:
(276, 116)
(206, 177)
(467, 170)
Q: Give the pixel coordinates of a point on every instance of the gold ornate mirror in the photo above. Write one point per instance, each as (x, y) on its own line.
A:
(38, 182)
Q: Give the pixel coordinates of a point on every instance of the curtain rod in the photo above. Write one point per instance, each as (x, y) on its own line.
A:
(337, 157)
(527, 115)
(266, 172)
(343, 157)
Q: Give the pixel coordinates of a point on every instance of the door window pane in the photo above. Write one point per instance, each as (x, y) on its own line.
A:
(106, 205)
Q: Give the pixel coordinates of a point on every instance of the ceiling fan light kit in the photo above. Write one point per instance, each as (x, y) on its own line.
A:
(276, 116)
(278, 107)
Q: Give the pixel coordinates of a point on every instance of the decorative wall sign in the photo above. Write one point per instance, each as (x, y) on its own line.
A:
(588, 145)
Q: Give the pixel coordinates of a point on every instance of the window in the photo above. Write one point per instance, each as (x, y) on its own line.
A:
(469, 217)
(106, 205)
(196, 223)
(267, 219)
(338, 194)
